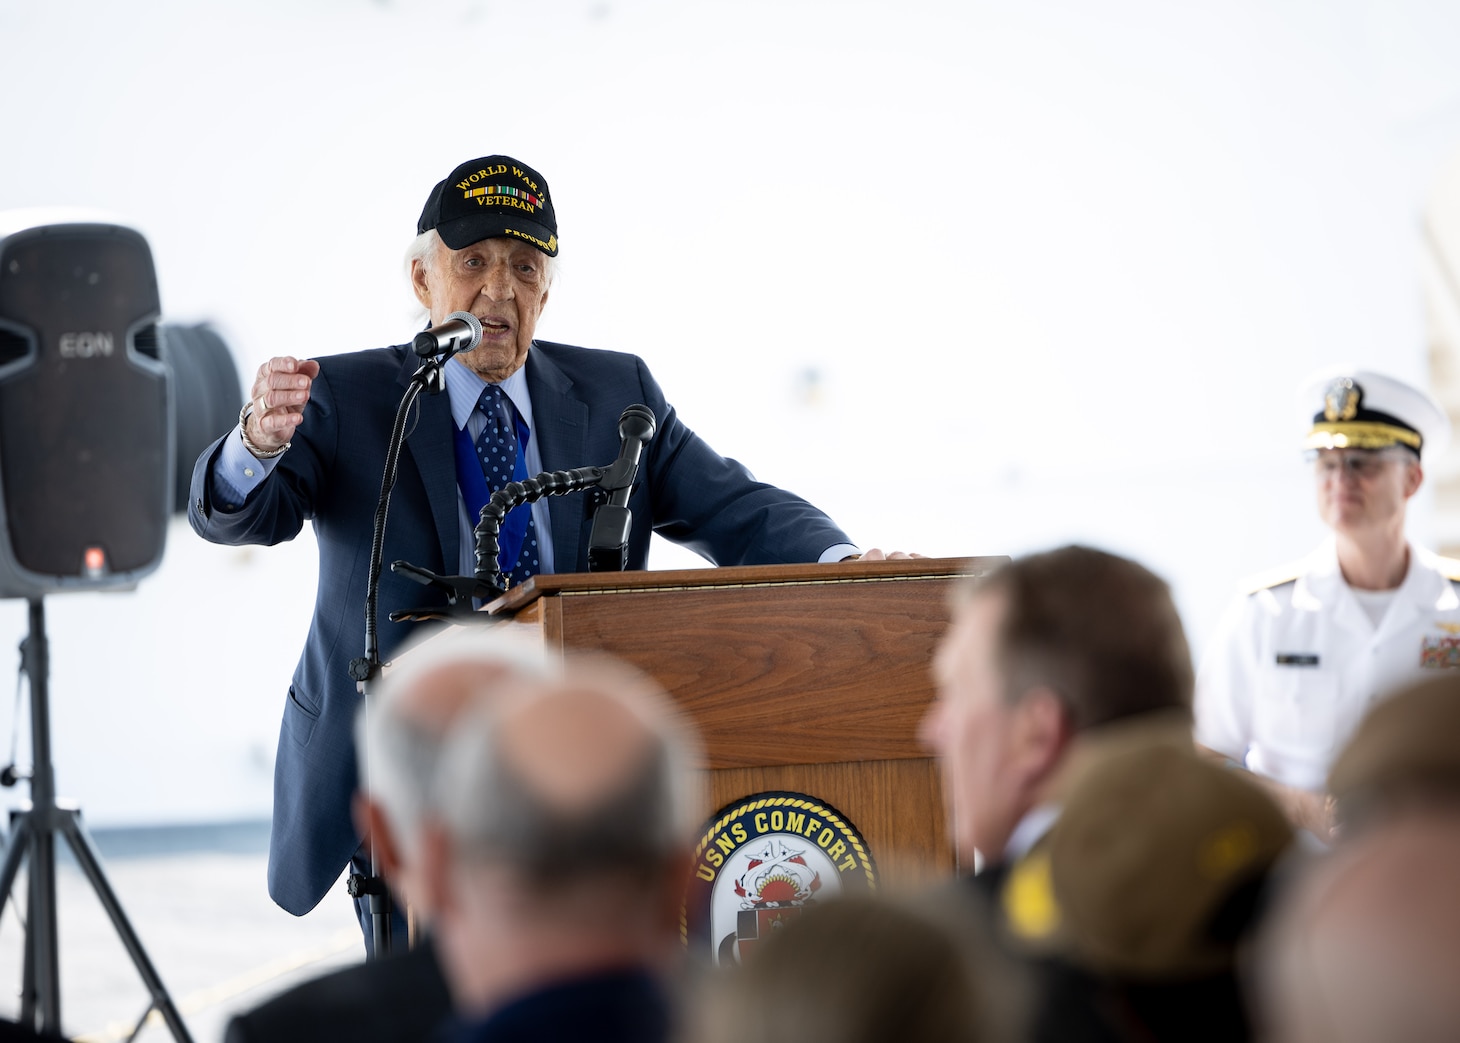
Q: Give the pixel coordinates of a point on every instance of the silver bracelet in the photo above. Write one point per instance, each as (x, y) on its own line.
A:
(259, 454)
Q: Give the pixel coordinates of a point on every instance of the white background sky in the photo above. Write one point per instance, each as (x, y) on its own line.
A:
(975, 277)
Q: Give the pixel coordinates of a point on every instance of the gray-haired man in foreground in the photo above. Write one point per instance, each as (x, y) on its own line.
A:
(555, 857)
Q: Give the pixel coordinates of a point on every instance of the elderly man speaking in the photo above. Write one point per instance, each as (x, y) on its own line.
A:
(311, 446)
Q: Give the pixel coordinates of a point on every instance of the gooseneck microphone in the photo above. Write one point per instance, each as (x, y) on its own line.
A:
(460, 331)
(635, 428)
(608, 543)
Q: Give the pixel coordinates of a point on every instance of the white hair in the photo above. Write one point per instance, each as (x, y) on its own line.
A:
(398, 752)
(423, 249)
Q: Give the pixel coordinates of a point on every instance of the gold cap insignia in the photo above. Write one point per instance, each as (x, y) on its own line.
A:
(1341, 400)
(1029, 903)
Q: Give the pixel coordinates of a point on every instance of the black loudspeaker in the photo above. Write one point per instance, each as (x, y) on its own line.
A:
(206, 392)
(86, 414)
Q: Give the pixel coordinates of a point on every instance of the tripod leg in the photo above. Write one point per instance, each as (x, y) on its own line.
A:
(14, 852)
(86, 853)
(41, 935)
(40, 969)
(19, 846)
(28, 1015)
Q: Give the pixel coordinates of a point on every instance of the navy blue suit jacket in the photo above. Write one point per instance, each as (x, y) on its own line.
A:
(331, 479)
(623, 1006)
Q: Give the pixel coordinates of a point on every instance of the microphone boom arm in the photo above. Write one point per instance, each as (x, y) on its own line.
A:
(514, 494)
(608, 541)
(490, 582)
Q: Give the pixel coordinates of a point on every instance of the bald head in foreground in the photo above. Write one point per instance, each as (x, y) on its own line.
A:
(404, 732)
(555, 859)
(1368, 949)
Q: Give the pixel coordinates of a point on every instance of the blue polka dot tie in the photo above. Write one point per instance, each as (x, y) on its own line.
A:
(497, 447)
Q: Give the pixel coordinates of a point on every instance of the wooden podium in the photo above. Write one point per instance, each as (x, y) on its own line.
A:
(810, 678)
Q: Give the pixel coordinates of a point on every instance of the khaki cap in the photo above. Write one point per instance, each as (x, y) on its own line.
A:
(1154, 867)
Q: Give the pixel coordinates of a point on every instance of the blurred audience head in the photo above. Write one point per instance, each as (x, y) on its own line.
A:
(402, 729)
(865, 970)
(561, 844)
(1367, 946)
(1403, 758)
(1150, 882)
(1042, 650)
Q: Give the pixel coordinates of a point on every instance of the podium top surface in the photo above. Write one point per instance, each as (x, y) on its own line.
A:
(730, 576)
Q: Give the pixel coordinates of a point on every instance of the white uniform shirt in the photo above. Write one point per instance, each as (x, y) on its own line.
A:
(1296, 664)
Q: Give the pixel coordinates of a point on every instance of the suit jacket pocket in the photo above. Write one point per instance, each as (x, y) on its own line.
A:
(299, 719)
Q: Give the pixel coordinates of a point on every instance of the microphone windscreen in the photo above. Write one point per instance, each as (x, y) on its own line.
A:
(474, 328)
(637, 421)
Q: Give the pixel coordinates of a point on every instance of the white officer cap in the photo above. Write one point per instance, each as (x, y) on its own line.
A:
(1349, 408)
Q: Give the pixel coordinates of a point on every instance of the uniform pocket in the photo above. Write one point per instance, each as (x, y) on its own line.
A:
(299, 719)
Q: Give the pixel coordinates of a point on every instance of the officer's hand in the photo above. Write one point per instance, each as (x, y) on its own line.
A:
(1308, 810)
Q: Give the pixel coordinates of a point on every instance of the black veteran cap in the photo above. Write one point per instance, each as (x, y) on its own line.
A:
(1361, 409)
(494, 197)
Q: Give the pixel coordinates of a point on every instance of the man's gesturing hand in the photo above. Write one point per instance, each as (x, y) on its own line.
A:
(279, 393)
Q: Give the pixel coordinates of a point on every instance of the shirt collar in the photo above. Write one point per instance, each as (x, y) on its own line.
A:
(465, 389)
(1031, 828)
(1421, 584)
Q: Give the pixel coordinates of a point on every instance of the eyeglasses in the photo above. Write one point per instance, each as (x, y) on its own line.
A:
(1358, 463)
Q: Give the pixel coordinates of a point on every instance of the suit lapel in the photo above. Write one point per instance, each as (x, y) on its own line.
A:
(560, 424)
(431, 448)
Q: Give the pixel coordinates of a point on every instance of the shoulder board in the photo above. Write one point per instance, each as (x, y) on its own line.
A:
(1270, 578)
(1449, 568)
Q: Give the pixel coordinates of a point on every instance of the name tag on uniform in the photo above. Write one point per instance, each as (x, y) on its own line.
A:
(1297, 659)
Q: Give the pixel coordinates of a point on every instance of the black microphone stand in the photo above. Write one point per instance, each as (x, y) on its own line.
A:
(365, 669)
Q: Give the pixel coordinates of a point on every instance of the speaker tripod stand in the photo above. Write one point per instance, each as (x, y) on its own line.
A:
(33, 837)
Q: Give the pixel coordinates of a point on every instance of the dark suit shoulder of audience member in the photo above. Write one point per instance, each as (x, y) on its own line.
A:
(625, 1006)
(389, 999)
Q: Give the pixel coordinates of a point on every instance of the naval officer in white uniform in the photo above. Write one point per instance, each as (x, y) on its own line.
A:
(1307, 650)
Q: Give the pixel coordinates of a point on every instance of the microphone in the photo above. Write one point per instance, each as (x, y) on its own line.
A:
(608, 543)
(460, 331)
(635, 428)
